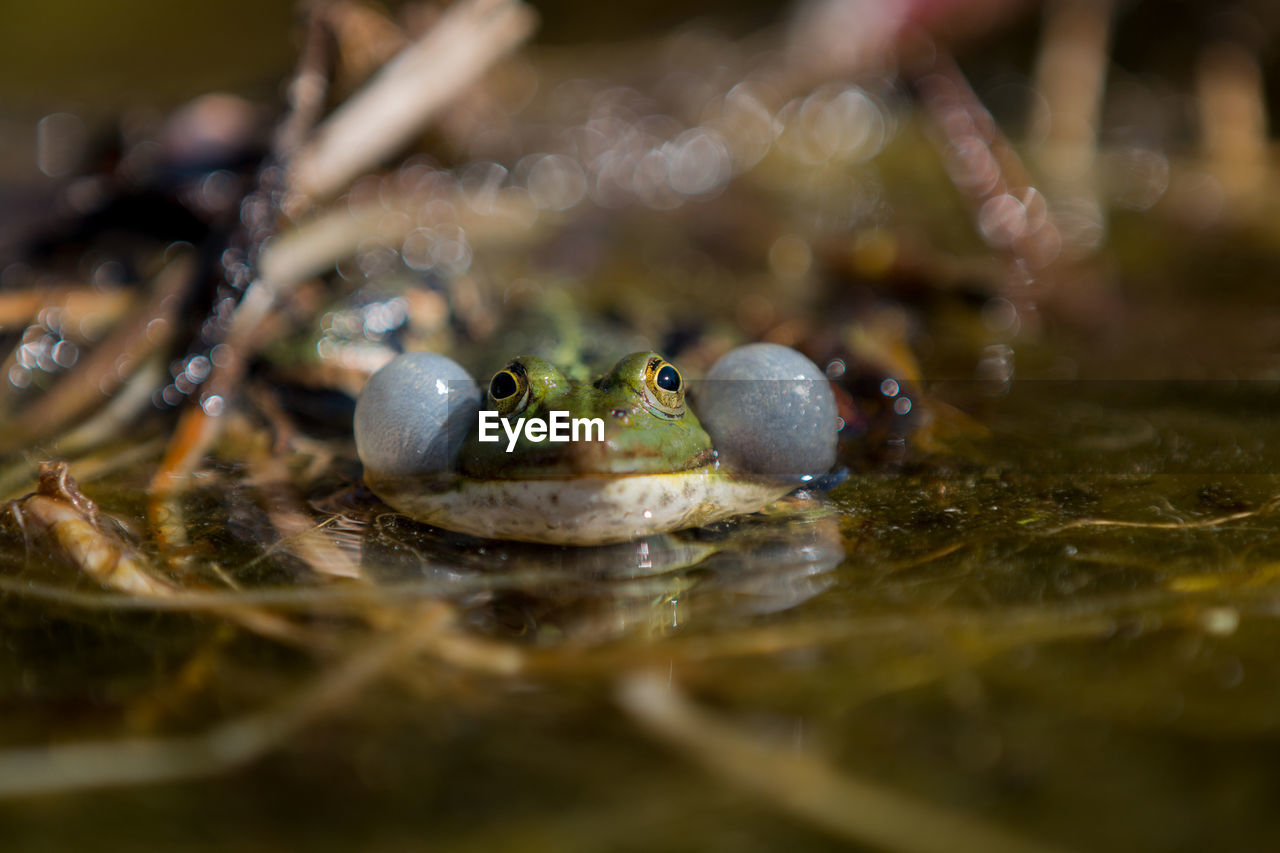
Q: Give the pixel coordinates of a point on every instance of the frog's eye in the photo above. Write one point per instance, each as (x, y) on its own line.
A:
(509, 389)
(664, 387)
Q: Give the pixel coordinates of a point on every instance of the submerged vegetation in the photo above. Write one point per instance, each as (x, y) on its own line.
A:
(1032, 609)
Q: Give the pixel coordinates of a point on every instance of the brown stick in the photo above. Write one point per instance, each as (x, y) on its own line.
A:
(399, 101)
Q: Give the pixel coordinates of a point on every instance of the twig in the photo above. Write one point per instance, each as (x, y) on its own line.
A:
(123, 407)
(1010, 213)
(1071, 76)
(134, 761)
(803, 784)
(386, 114)
(1233, 124)
(299, 535)
(63, 514)
(147, 330)
(308, 88)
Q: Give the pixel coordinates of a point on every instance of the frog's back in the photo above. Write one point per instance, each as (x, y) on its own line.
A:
(551, 326)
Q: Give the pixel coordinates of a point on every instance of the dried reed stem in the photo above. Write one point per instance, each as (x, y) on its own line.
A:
(399, 101)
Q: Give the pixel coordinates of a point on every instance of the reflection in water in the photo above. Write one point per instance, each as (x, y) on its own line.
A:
(545, 593)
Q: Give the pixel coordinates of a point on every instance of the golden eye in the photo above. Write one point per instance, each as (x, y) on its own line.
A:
(509, 389)
(664, 387)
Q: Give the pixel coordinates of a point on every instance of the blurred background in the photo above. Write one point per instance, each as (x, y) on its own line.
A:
(95, 60)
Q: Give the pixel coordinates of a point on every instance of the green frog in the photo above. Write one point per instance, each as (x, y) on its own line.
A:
(558, 451)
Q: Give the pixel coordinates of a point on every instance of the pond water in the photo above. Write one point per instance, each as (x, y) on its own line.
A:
(1067, 634)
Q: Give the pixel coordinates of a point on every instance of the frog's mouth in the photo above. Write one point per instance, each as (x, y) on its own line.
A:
(584, 459)
(578, 510)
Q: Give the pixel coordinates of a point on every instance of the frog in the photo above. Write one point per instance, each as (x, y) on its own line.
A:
(656, 455)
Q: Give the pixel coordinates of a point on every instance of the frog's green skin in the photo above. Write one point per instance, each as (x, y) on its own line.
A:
(639, 438)
(654, 471)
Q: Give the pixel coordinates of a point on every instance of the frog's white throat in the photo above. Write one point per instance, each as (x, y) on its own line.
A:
(578, 510)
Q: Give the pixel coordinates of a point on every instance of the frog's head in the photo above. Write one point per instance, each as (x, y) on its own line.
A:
(766, 409)
(631, 420)
(647, 468)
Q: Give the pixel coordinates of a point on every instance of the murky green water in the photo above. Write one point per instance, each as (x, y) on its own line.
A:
(1069, 633)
